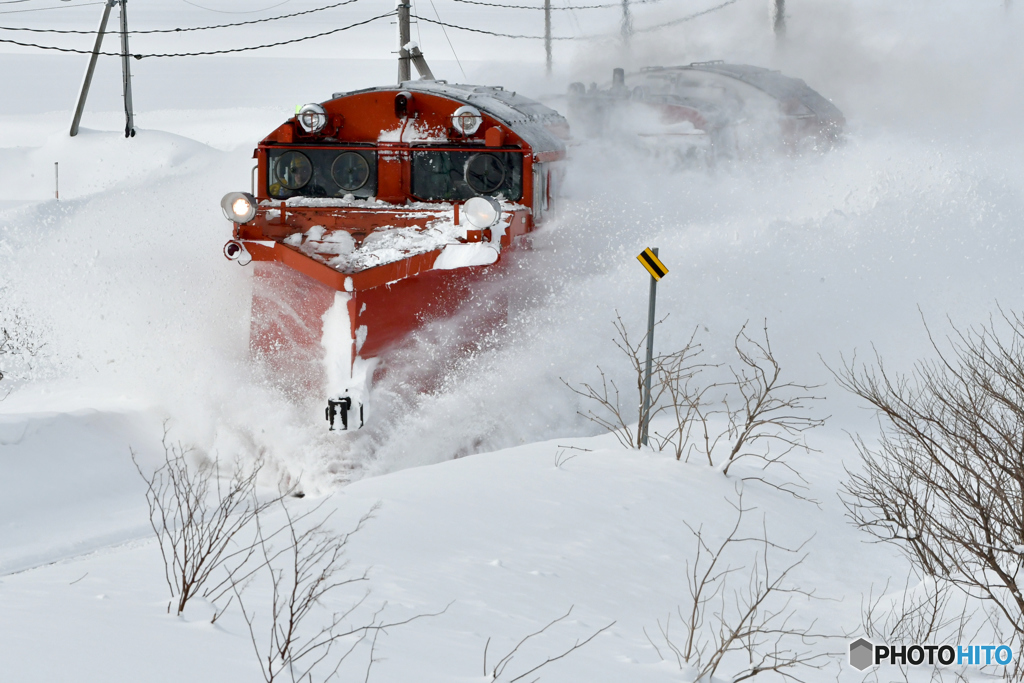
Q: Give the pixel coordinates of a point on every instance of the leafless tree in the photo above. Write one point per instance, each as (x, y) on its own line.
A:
(671, 374)
(764, 420)
(18, 345)
(770, 412)
(308, 565)
(205, 526)
(945, 480)
(924, 614)
(757, 620)
(497, 672)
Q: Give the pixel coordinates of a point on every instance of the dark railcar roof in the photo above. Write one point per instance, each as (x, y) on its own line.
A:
(778, 86)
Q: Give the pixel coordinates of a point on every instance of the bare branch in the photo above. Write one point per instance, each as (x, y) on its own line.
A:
(499, 668)
(758, 620)
(945, 483)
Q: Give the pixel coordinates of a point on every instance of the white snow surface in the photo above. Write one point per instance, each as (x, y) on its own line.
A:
(387, 244)
(463, 255)
(141, 326)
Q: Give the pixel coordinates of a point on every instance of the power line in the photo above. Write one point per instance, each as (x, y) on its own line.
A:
(183, 30)
(533, 7)
(44, 9)
(691, 17)
(221, 11)
(445, 31)
(489, 33)
(201, 54)
(674, 22)
(569, 7)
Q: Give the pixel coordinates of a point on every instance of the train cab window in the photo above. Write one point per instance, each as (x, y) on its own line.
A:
(322, 173)
(459, 175)
(293, 170)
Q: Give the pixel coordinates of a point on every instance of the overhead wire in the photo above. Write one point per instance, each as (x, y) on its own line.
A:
(572, 7)
(206, 53)
(533, 7)
(491, 33)
(192, 28)
(221, 11)
(438, 22)
(575, 18)
(444, 30)
(46, 9)
(646, 29)
(682, 20)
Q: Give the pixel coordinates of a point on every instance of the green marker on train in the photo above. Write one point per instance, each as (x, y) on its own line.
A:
(648, 258)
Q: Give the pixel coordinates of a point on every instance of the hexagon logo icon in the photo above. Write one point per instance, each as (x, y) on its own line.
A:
(861, 654)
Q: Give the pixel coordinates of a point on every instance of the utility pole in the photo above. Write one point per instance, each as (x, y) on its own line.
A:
(404, 58)
(547, 34)
(126, 73)
(627, 24)
(87, 81)
(779, 19)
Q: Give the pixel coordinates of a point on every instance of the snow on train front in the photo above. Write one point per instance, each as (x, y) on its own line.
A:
(375, 211)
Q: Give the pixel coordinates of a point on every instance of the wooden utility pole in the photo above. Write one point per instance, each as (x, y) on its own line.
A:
(404, 58)
(627, 24)
(779, 18)
(547, 34)
(87, 81)
(126, 73)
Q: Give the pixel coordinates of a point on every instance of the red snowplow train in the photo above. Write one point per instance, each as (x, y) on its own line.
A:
(374, 211)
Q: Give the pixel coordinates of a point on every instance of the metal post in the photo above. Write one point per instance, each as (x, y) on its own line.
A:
(87, 81)
(404, 61)
(645, 409)
(547, 34)
(779, 19)
(56, 180)
(627, 24)
(126, 74)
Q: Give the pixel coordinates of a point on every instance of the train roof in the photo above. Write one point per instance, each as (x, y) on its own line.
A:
(775, 84)
(539, 125)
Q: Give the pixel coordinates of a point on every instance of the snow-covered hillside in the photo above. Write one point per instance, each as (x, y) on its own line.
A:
(138, 325)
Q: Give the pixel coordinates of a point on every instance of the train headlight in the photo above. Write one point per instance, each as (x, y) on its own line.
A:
(466, 120)
(312, 118)
(482, 212)
(238, 207)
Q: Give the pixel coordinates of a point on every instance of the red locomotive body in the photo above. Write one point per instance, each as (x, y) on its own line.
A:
(374, 211)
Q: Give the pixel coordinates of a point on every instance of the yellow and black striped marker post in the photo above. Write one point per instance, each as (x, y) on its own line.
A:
(649, 259)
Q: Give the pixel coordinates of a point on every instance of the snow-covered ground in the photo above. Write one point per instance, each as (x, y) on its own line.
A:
(141, 326)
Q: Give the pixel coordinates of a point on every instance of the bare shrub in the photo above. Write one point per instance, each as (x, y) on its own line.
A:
(309, 565)
(945, 481)
(611, 414)
(764, 420)
(562, 456)
(18, 345)
(757, 619)
(922, 615)
(204, 526)
(497, 672)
